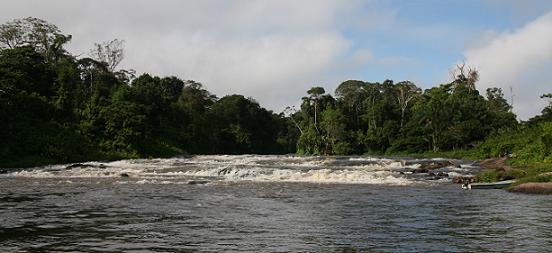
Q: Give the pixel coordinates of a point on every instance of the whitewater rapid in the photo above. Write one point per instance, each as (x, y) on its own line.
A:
(206, 169)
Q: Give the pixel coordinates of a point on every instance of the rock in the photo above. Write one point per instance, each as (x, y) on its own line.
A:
(533, 188)
(124, 175)
(102, 166)
(456, 164)
(494, 163)
(224, 171)
(420, 170)
(3, 171)
(436, 165)
(78, 165)
(438, 175)
(194, 182)
(458, 180)
(442, 174)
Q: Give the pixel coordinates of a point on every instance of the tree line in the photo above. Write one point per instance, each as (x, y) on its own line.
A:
(56, 107)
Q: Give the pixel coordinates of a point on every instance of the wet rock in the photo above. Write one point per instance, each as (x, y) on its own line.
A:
(3, 171)
(194, 182)
(436, 176)
(456, 164)
(437, 165)
(442, 174)
(78, 165)
(224, 171)
(420, 170)
(124, 175)
(102, 166)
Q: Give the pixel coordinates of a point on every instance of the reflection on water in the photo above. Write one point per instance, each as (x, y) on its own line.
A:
(163, 207)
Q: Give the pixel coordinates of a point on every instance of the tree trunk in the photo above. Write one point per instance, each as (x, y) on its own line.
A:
(315, 122)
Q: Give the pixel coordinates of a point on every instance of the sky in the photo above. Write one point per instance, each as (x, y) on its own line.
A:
(275, 50)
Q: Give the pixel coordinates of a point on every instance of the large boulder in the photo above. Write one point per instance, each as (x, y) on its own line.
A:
(499, 163)
(437, 165)
(420, 170)
(78, 165)
(533, 188)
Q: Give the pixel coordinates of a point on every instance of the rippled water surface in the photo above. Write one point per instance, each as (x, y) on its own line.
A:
(273, 204)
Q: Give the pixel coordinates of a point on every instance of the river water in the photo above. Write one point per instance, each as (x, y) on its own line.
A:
(264, 204)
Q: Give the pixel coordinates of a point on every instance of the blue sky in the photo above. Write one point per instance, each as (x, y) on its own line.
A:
(274, 50)
(428, 37)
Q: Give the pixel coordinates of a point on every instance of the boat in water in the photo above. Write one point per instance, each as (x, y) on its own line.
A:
(495, 185)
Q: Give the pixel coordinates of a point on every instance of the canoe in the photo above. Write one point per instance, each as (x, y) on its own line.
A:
(495, 185)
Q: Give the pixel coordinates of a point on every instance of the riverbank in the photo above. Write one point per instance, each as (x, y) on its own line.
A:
(531, 178)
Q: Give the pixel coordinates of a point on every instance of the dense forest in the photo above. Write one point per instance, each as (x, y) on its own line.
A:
(56, 107)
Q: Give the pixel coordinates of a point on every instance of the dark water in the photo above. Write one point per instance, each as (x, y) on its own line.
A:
(92, 214)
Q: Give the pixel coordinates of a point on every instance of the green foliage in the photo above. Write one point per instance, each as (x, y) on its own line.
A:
(55, 107)
(310, 142)
(389, 118)
(526, 144)
(526, 173)
(488, 176)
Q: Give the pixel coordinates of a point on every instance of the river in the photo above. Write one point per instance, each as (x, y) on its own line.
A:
(264, 204)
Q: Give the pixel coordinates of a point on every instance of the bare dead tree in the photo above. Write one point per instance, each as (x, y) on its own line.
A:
(111, 53)
(465, 75)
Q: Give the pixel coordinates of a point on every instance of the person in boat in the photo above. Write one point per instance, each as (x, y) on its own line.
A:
(467, 184)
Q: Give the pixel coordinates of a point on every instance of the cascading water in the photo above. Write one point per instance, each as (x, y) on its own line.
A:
(256, 168)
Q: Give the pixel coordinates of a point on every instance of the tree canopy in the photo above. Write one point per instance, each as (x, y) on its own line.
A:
(56, 107)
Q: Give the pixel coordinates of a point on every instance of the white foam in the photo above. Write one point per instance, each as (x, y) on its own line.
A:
(271, 168)
(313, 176)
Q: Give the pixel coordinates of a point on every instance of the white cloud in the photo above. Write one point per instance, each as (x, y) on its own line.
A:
(521, 59)
(270, 50)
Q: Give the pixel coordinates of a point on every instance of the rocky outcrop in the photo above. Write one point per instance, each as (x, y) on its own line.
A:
(439, 175)
(84, 165)
(434, 165)
(194, 182)
(499, 163)
(438, 164)
(420, 170)
(533, 188)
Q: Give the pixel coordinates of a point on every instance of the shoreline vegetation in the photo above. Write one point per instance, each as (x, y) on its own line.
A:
(56, 107)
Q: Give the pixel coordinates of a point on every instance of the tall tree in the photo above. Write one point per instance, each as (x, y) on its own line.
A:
(351, 93)
(44, 37)
(407, 91)
(314, 95)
